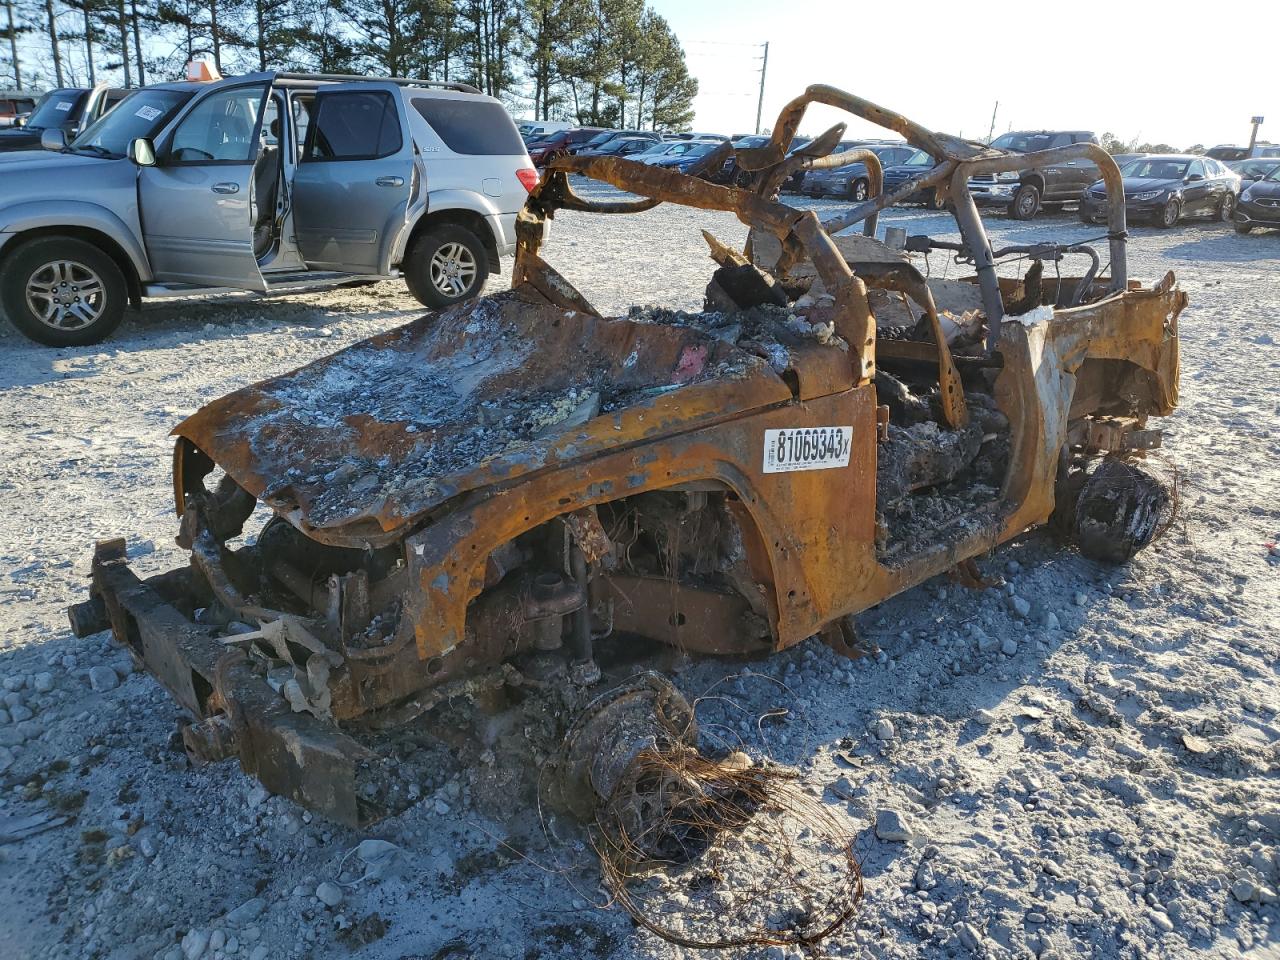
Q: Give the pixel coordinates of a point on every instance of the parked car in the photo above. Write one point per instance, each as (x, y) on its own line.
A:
(792, 183)
(1254, 169)
(689, 135)
(914, 166)
(732, 173)
(1168, 187)
(1259, 204)
(1025, 192)
(1229, 151)
(537, 129)
(265, 182)
(607, 136)
(69, 110)
(560, 144)
(852, 181)
(686, 154)
(620, 147)
(14, 104)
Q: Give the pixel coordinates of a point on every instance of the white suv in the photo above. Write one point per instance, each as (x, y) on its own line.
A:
(265, 182)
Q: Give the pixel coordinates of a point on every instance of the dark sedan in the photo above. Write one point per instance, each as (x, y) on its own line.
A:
(619, 147)
(686, 154)
(1255, 169)
(1168, 187)
(852, 181)
(915, 166)
(1259, 205)
(608, 136)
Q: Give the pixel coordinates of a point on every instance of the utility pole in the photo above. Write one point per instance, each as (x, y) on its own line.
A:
(13, 45)
(991, 134)
(760, 103)
(1253, 137)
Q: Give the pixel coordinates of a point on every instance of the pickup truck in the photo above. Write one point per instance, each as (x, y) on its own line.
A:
(69, 109)
(267, 182)
(1025, 192)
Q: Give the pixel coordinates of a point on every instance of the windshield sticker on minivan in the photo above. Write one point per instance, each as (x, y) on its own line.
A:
(147, 113)
(64, 106)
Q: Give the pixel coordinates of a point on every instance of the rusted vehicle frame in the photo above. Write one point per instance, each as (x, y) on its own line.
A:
(509, 556)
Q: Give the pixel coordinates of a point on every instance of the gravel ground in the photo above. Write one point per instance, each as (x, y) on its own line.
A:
(1082, 761)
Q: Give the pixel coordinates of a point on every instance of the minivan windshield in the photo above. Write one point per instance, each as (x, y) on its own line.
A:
(143, 113)
(919, 159)
(56, 108)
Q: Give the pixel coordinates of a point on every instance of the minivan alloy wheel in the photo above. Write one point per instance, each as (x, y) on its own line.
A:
(453, 268)
(66, 295)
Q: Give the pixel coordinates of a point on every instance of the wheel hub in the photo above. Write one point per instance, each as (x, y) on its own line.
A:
(453, 268)
(65, 295)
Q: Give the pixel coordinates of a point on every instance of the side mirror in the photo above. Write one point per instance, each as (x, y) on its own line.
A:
(20, 121)
(142, 152)
(1192, 178)
(53, 139)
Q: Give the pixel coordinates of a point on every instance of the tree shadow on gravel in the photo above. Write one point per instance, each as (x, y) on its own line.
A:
(194, 324)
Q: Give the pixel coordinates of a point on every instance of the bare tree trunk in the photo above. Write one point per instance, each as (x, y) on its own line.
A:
(13, 45)
(88, 43)
(137, 43)
(214, 35)
(260, 10)
(124, 42)
(53, 41)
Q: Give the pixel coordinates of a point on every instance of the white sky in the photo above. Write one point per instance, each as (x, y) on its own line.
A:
(1182, 73)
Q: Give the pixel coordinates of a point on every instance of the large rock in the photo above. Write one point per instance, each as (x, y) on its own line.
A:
(103, 678)
(892, 825)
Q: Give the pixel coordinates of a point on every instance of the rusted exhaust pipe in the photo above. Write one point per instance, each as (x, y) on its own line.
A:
(88, 618)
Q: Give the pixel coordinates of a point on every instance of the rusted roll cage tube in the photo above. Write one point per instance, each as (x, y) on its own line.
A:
(966, 213)
(958, 160)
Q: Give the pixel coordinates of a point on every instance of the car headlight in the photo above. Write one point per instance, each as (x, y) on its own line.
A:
(1149, 195)
(1009, 177)
(1247, 195)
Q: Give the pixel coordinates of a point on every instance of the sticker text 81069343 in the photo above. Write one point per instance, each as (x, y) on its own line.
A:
(807, 448)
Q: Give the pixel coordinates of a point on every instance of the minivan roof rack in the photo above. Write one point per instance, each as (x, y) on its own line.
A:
(403, 81)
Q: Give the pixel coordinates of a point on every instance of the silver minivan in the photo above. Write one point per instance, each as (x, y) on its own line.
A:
(266, 182)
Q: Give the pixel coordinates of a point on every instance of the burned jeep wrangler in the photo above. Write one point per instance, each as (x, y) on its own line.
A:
(483, 495)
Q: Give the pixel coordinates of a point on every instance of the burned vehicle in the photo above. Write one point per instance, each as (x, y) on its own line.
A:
(484, 495)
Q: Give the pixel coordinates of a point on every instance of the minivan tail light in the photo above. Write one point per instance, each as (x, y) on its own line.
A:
(527, 176)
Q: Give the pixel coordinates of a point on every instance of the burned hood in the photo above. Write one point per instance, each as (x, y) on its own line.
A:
(371, 438)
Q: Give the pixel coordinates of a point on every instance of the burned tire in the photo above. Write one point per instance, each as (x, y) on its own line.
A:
(1227, 208)
(859, 189)
(1120, 510)
(62, 292)
(1169, 214)
(446, 265)
(1025, 203)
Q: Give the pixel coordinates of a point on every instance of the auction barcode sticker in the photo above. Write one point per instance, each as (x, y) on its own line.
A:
(807, 448)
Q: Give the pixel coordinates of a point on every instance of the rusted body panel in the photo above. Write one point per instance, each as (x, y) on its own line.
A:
(489, 491)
